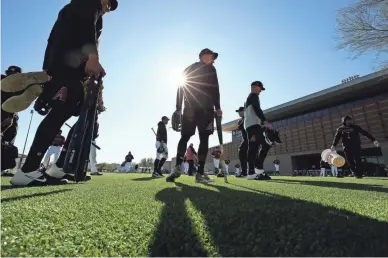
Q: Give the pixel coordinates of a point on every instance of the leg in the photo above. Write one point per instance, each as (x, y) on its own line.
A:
(56, 153)
(350, 160)
(253, 149)
(62, 155)
(359, 166)
(188, 129)
(191, 167)
(242, 154)
(264, 148)
(93, 159)
(46, 159)
(158, 158)
(45, 134)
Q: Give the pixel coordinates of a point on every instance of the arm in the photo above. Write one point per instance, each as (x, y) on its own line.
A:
(215, 88)
(365, 133)
(336, 137)
(158, 133)
(256, 107)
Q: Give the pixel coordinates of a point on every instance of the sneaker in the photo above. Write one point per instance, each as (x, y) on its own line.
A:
(21, 81)
(220, 174)
(70, 177)
(208, 178)
(35, 178)
(31, 83)
(96, 174)
(201, 179)
(55, 171)
(265, 177)
(7, 173)
(359, 177)
(258, 177)
(155, 175)
(173, 175)
(253, 177)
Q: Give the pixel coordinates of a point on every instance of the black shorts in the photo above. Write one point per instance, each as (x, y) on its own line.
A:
(256, 131)
(64, 94)
(203, 119)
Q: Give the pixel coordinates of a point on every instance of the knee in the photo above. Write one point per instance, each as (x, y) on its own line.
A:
(204, 138)
(185, 137)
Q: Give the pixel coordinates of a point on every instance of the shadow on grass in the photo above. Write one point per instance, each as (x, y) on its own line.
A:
(341, 185)
(144, 179)
(10, 187)
(3, 200)
(246, 223)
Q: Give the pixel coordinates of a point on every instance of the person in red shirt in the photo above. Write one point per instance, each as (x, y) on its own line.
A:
(54, 149)
(191, 157)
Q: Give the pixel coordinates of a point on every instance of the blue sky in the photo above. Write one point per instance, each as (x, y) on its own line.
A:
(288, 45)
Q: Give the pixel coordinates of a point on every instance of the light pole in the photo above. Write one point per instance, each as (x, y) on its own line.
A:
(25, 143)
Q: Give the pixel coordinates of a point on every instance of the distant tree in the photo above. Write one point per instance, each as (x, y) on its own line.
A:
(363, 27)
(146, 162)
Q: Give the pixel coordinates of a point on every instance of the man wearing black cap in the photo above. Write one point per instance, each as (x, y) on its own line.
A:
(9, 128)
(254, 123)
(201, 97)
(349, 133)
(243, 148)
(161, 147)
(71, 56)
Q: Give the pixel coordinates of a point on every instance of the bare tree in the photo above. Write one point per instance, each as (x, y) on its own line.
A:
(363, 28)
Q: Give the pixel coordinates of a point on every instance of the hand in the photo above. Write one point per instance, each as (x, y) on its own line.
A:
(332, 148)
(267, 125)
(376, 143)
(93, 67)
(219, 112)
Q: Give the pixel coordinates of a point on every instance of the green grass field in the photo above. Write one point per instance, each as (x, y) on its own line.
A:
(133, 215)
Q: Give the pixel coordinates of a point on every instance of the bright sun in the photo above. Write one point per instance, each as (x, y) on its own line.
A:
(176, 78)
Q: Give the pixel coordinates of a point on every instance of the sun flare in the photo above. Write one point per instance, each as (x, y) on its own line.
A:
(176, 78)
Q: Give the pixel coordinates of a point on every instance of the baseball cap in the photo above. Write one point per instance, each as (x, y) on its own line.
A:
(208, 51)
(240, 109)
(113, 5)
(258, 83)
(164, 117)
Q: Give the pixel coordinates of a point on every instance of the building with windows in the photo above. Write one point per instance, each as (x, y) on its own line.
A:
(307, 125)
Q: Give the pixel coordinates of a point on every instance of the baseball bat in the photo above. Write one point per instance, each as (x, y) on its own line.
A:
(79, 147)
(153, 130)
(95, 145)
(220, 139)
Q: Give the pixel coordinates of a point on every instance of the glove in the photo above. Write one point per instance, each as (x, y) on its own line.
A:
(160, 149)
(42, 107)
(176, 121)
(376, 143)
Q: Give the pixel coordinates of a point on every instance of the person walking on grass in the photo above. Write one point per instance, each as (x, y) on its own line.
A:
(201, 96)
(255, 124)
(349, 133)
(71, 57)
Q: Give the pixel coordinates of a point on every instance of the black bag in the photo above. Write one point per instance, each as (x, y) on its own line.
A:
(9, 154)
